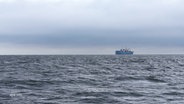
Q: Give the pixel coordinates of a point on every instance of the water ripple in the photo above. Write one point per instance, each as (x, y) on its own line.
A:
(141, 79)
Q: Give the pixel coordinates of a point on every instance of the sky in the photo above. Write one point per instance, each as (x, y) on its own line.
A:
(91, 26)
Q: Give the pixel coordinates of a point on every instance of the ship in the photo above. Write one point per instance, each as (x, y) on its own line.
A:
(124, 52)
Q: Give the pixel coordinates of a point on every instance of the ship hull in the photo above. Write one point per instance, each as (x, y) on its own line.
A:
(124, 53)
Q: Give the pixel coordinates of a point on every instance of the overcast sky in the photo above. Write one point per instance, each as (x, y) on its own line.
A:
(91, 26)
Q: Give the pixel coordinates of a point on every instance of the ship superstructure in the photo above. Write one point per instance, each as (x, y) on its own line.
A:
(124, 52)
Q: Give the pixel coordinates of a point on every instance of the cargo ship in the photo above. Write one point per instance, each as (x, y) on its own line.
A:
(124, 52)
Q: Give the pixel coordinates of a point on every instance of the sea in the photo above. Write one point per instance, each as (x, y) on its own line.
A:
(92, 79)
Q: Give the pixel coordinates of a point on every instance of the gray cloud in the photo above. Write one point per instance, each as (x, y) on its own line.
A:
(90, 23)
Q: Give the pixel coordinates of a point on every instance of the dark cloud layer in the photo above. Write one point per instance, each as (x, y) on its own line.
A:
(92, 41)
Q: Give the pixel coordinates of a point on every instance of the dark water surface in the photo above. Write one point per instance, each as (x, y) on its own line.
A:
(138, 79)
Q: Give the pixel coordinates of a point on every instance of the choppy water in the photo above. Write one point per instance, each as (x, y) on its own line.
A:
(139, 79)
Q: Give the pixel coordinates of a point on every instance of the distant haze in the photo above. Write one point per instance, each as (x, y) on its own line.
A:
(91, 26)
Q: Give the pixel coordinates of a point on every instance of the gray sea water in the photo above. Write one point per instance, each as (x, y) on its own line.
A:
(137, 79)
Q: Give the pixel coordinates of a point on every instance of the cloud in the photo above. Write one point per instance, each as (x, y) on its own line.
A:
(89, 23)
(7, 1)
(100, 14)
